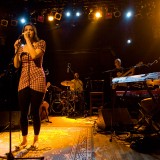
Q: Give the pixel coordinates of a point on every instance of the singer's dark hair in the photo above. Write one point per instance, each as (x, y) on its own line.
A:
(35, 38)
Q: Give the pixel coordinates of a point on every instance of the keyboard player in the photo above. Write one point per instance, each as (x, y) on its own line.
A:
(121, 72)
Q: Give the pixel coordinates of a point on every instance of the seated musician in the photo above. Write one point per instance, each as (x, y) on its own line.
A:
(77, 91)
(77, 85)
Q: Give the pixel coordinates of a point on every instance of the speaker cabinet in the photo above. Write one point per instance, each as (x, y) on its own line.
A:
(117, 117)
(4, 119)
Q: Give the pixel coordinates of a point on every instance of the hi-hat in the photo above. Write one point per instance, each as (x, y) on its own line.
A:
(67, 83)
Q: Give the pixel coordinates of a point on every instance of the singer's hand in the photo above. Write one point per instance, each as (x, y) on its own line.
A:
(17, 44)
(26, 35)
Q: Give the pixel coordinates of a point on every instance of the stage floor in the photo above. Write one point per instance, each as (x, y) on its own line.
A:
(79, 138)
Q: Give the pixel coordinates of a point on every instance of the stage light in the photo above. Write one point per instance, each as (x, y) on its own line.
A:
(98, 14)
(78, 14)
(109, 15)
(68, 14)
(91, 15)
(58, 16)
(117, 13)
(4, 22)
(40, 18)
(94, 14)
(50, 17)
(14, 22)
(129, 14)
(129, 41)
(23, 20)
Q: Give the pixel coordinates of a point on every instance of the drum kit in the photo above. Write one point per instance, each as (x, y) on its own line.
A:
(67, 102)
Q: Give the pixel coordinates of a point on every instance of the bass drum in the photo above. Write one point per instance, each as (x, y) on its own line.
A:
(56, 107)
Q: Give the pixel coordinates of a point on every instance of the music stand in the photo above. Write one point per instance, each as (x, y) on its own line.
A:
(113, 89)
(113, 97)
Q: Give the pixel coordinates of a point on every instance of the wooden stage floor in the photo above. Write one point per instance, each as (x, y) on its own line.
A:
(101, 148)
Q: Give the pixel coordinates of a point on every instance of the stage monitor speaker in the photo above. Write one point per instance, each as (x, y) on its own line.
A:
(4, 119)
(117, 117)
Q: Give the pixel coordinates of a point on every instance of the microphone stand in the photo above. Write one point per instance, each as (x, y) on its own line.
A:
(10, 72)
(10, 155)
(113, 94)
(113, 99)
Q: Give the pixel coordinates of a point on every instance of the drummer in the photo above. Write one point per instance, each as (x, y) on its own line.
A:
(77, 85)
(76, 88)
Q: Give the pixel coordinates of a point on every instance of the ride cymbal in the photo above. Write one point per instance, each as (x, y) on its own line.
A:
(67, 83)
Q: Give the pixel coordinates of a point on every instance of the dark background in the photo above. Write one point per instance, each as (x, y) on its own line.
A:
(89, 46)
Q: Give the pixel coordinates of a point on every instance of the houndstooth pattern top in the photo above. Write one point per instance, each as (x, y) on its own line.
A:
(32, 73)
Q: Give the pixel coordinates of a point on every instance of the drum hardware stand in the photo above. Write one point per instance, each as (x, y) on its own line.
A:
(51, 102)
(68, 104)
(72, 109)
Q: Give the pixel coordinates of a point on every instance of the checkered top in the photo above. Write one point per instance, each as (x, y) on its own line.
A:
(32, 73)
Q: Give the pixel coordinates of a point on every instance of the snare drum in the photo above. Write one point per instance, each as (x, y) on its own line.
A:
(66, 95)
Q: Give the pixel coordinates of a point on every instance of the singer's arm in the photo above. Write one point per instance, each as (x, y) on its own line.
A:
(34, 53)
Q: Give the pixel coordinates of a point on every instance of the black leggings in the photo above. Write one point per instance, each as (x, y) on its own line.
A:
(33, 99)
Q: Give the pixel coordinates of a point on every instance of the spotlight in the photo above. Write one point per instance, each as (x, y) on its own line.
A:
(108, 15)
(129, 14)
(40, 18)
(129, 41)
(4, 23)
(98, 15)
(91, 16)
(58, 16)
(23, 20)
(78, 14)
(14, 22)
(117, 13)
(50, 17)
(68, 14)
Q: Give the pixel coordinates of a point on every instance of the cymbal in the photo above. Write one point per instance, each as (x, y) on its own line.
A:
(67, 83)
(57, 88)
(54, 88)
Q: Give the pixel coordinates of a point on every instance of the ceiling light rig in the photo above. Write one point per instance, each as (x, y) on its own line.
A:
(106, 10)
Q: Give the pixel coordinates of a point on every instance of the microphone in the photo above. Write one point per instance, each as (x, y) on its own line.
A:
(68, 67)
(154, 62)
(21, 36)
